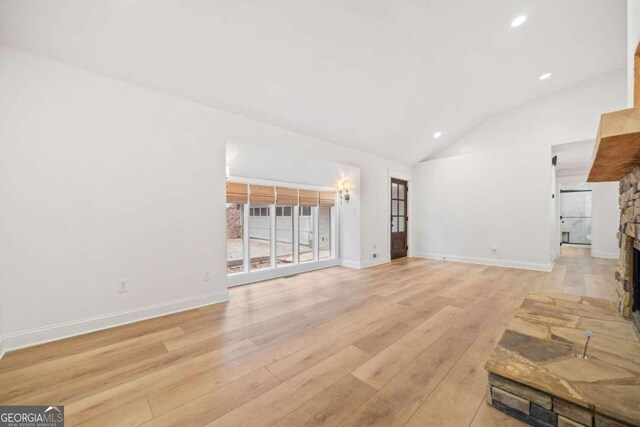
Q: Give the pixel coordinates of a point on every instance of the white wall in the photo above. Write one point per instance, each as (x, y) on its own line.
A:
(554, 237)
(492, 187)
(633, 37)
(605, 219)
(102, 180)
(466, 204)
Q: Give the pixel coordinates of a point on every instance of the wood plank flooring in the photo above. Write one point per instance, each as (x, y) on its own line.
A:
(398, 344)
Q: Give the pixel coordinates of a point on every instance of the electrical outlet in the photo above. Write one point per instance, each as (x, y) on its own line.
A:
(123, 286)
(207, 275)
(375, 254)
(494, 249)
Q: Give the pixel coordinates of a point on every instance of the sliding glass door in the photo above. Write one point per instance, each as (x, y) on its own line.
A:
(576, 207)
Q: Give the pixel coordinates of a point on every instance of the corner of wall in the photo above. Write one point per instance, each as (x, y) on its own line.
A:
(366, 263)
(373, 262)
(351, 264)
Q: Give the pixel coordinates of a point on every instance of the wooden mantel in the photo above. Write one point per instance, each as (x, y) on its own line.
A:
(617, 148)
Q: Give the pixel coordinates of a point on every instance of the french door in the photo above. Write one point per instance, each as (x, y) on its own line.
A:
(399, 218)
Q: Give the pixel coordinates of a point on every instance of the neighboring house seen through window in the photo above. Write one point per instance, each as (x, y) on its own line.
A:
(272, 229)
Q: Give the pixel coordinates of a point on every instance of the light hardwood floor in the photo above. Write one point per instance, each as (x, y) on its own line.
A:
(399, 344)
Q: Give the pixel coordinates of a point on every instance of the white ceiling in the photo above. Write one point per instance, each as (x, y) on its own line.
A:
(377, 75)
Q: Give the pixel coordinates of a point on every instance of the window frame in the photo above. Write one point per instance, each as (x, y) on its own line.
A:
(245, 216)
(294, 229)
(270, 210)
(331, 232)
(273, 270)
(314, 232)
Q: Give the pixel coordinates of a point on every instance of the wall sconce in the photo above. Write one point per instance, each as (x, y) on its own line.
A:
(343, 190)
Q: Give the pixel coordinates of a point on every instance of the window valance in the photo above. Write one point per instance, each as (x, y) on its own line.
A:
(237, 193)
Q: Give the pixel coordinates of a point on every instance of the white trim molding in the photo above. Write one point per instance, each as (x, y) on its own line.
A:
(366, 264)
(273, 273)
(1, 347)
(608, 255)
(373, 262)
(59, 331)
(399, 175)
(274, 183)
(485, 261)
(351, 264)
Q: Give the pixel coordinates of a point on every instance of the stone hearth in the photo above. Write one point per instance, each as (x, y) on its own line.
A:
(534, 373)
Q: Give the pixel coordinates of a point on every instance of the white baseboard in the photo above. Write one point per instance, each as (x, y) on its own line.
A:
(608, 255)
(351, 264)
(42, 335)
(373, 262)
(486, 261)
(365, 264)
(273, 273)
(1, 347)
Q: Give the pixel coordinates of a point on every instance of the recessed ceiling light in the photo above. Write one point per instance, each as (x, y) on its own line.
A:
(519, 20)
(437, 134)
(545, 76)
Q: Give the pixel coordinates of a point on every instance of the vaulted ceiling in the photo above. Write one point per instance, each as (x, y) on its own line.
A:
(378, 75)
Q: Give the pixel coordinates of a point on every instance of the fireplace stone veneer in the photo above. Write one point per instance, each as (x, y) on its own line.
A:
(628, 238)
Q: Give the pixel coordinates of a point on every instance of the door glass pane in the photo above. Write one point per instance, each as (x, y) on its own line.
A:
(394, 207)
(394, 224)
(260, 239)
(324, 232)
(401, 207)
(576, 231)
(394, 190)
(284, 236)
(235, 242)
(576, 213)
(305, 234)
(401, 224)
(400, 191)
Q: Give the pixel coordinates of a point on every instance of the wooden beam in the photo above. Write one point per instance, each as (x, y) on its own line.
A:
(617, 148)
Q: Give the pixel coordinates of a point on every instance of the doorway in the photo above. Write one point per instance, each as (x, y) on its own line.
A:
(575, 217)
(399, 218)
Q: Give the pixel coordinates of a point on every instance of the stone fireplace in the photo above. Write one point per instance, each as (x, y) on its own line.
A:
(617, 158)
(628, 270)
